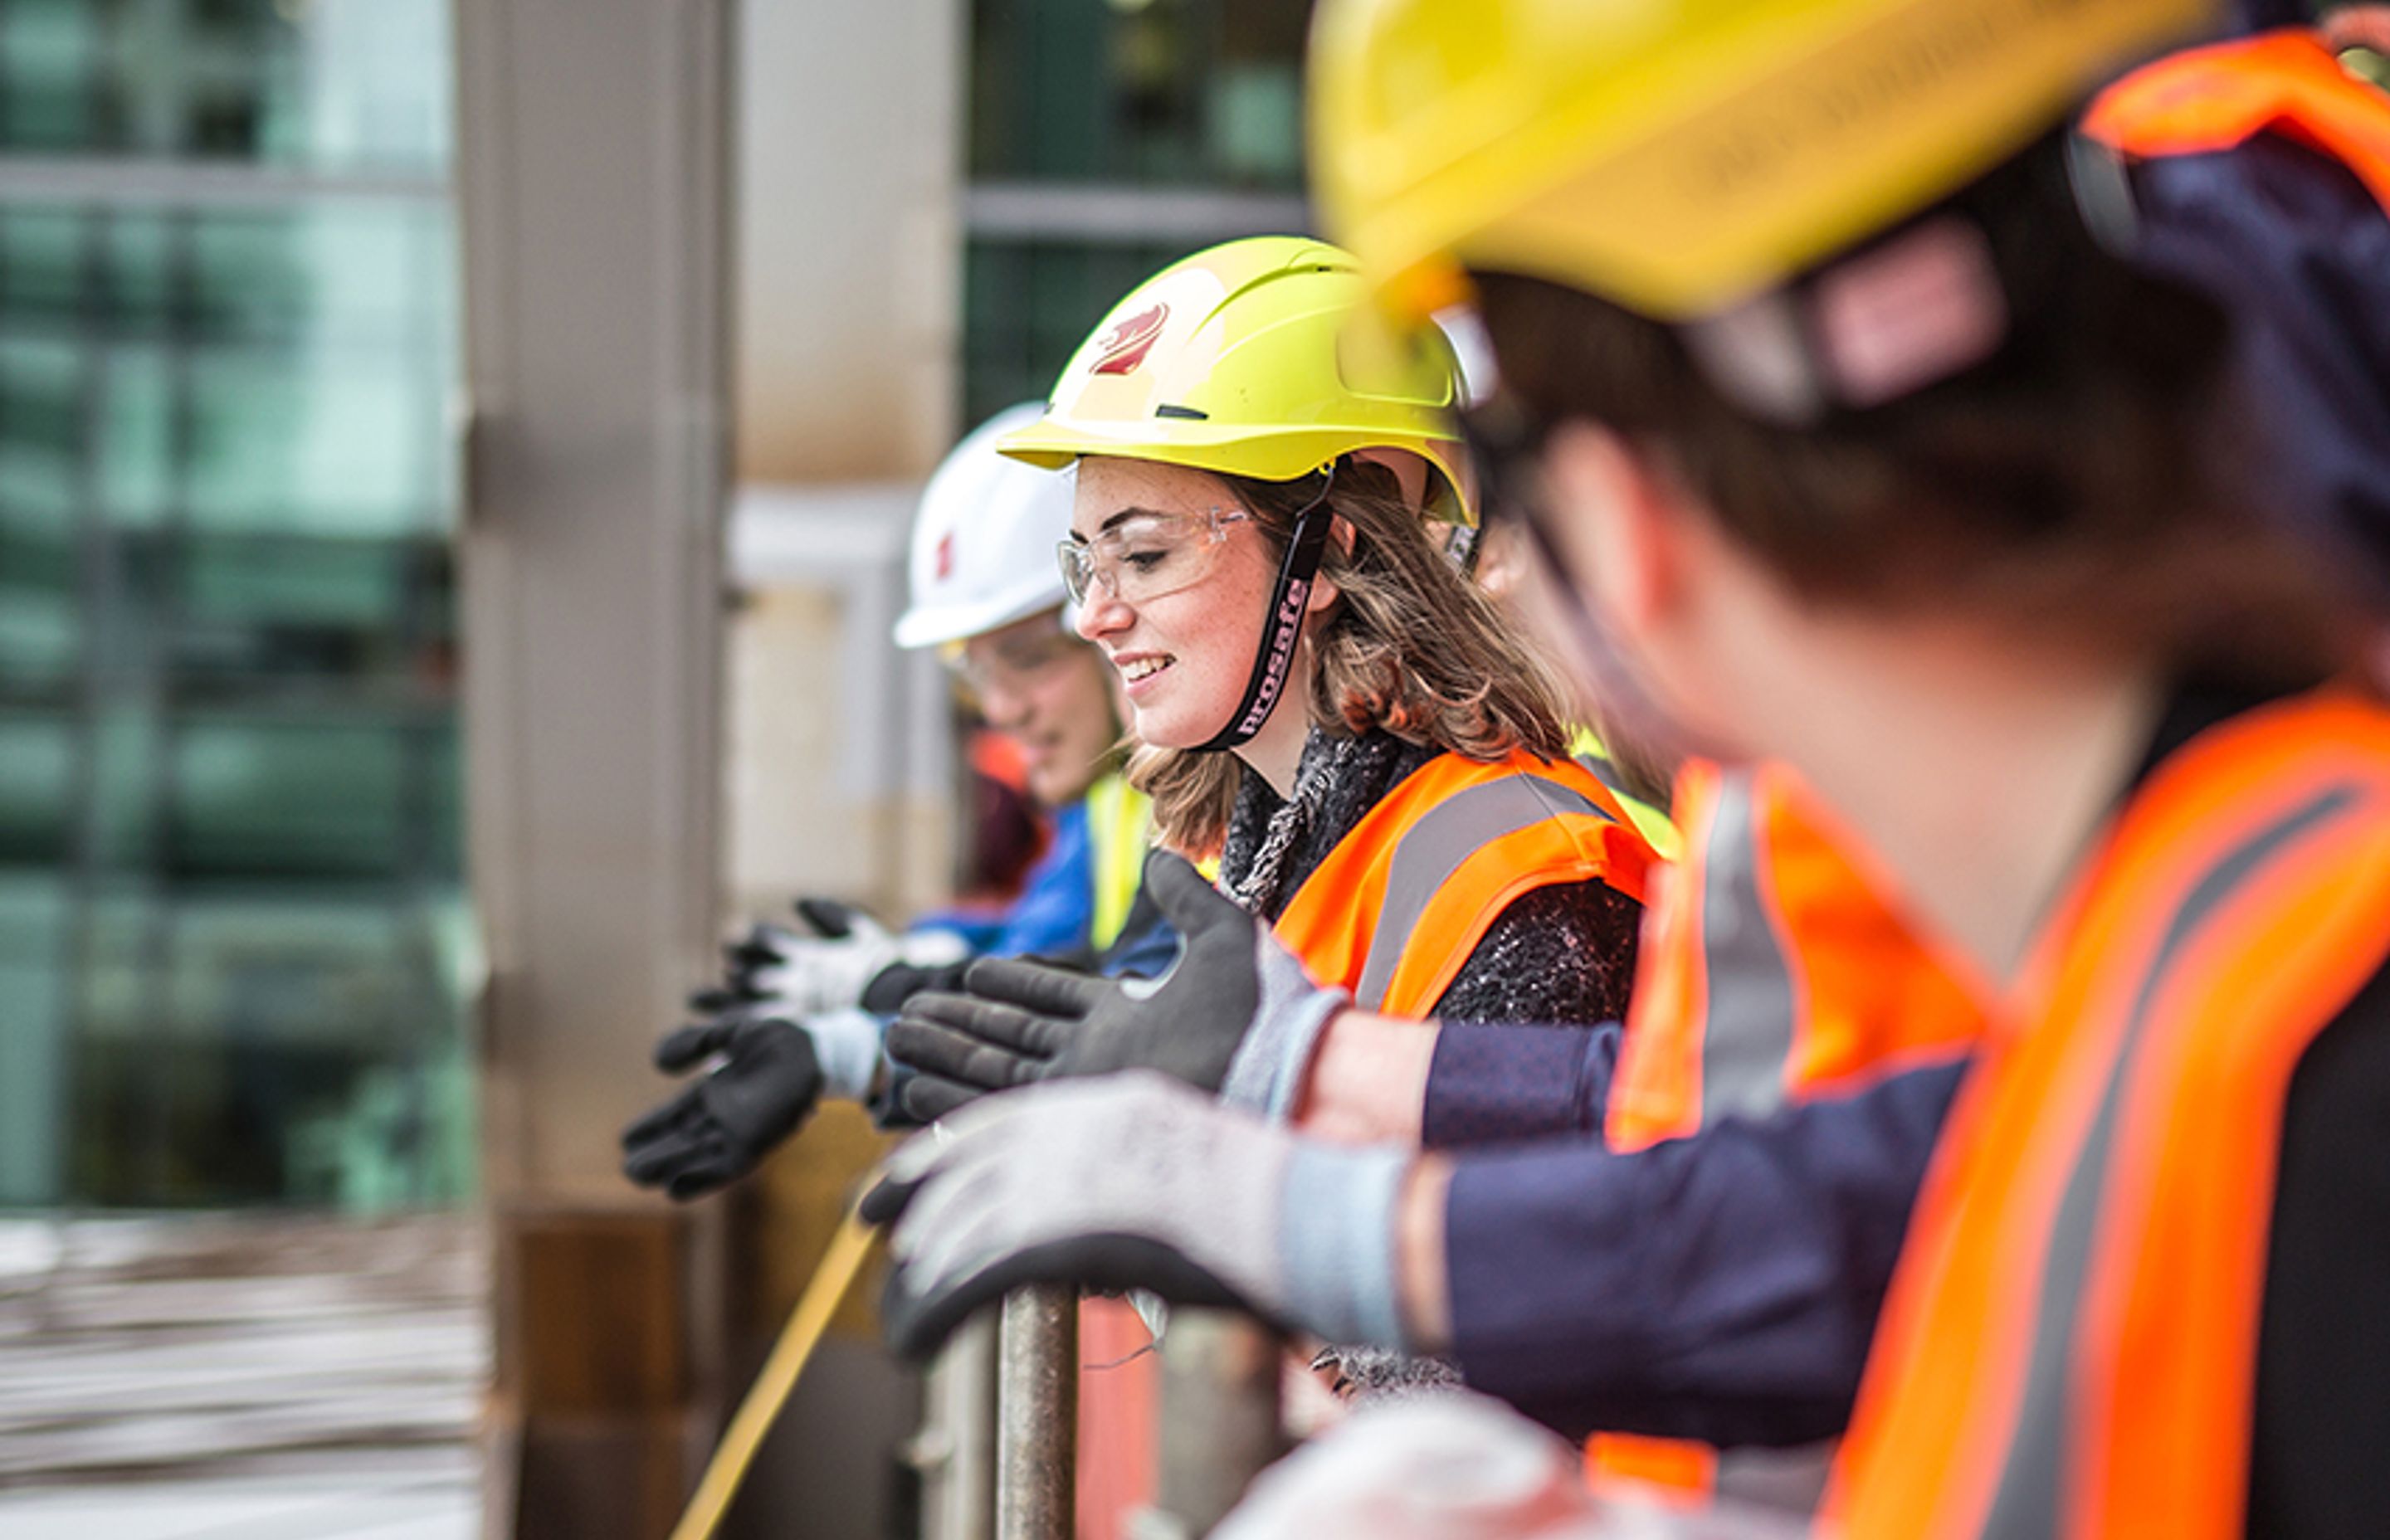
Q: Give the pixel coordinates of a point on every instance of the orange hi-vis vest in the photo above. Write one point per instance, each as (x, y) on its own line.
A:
(1395, 909)
(2069, 1346)
(1391, 914)
(2218, 97)
(1773, 970)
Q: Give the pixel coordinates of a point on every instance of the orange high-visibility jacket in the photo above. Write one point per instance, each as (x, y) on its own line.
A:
(2069, 1346)
(1395, 910)
(1773, 970)
(2220, 96)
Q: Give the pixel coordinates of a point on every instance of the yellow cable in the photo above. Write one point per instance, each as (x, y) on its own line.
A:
(839, 1267)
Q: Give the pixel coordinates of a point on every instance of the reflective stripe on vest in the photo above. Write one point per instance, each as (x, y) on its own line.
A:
(1772, 970)
(1395, 909)
(2218, 97)
(1119, 823)
(2070, 1346)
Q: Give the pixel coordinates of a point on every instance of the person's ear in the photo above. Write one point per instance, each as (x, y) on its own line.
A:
(1324, 590)
(1618, 524)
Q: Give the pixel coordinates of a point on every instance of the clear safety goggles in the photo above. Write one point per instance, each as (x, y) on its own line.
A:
(1146, 556)
(1010, 663)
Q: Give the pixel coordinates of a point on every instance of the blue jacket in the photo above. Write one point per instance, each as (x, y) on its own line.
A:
(1722, 1288)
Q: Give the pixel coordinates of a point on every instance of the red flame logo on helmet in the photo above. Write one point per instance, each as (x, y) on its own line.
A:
(1130, 341)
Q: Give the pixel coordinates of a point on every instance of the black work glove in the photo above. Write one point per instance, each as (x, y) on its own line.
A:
(1235, 1015)
(722, 1126)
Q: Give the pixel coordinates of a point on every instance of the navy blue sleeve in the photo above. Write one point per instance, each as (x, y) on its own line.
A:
(1722, 1287)
(1058, 903)
(1497, 1084)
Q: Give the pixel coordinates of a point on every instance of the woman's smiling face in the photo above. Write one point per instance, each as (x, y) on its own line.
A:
(1183, 656)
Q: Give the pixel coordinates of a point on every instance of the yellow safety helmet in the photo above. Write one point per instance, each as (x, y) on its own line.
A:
(1239, 359)
(1678, 156)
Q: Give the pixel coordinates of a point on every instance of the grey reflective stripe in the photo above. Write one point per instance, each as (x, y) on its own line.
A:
(1787, 1480)
(2026, 1503)
(1434, 848)
(1747, 1042)
(1603, 771)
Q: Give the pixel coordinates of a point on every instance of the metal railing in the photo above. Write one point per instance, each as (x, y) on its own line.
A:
(1218, 1423)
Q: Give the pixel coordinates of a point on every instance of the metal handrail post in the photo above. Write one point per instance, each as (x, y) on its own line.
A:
(1037, 1414)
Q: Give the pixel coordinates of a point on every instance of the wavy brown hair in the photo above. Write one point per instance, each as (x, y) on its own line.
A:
(1411, 647)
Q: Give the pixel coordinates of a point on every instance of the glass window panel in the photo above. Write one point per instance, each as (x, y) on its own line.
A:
(362, 274)
(339, 446)
(1163, 91)
(37, 763)
(137, 262)
(43, 261)
(254, 797)
(249, 276)
(1029, 304)
(298, 971)
(230, 745)
(347, 584)
(295, 1045)
(38, 491)
(49, 56)
(41, 396)
(354, 86)
(136, 431)
(37, 1003)
(1256, 118)
(441, 767)
(340, 612)
(40, 627)
(122, 942)
(125, 787)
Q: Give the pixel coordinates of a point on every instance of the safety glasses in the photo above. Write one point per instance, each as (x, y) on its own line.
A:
(1505, 444)
(1146, 555)
(1010, 660)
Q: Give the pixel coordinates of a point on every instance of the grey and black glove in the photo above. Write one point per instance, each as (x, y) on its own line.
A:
(1235, 1015)
(1135, 1181)
(722, 1126)
(833, 965)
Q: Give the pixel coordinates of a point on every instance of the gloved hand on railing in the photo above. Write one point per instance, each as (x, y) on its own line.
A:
(1235, 1015)
(1135, 1181)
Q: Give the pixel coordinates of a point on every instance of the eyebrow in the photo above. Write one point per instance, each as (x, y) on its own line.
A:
(1132, 511)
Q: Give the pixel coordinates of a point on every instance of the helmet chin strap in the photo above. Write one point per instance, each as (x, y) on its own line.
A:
(1290, 604)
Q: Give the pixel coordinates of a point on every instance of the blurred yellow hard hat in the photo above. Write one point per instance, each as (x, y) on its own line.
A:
(1239, 359)
(1677, 157)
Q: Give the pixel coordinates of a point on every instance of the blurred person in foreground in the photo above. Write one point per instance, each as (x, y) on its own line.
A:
(1880, 468)
(801, 1016)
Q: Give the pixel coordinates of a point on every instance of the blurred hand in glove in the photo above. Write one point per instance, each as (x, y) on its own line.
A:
(770, 1074)
(832, 965)
(1235, 1015)
(1135, 1181)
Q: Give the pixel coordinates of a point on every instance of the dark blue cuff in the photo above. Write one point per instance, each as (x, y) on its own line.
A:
(1492, 1083)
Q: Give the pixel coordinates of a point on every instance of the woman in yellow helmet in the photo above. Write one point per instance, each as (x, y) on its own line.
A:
(1322, 700)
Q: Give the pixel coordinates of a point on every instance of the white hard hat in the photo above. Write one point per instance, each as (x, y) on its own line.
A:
(983, 540)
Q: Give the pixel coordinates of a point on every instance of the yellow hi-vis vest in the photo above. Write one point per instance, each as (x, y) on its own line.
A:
(1120, 820)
